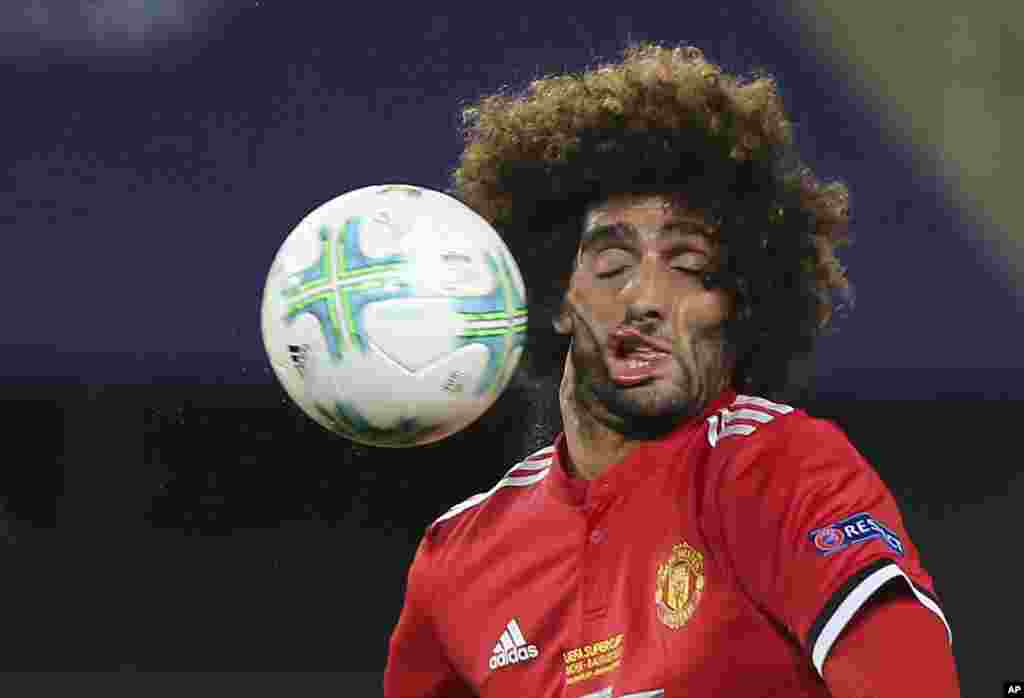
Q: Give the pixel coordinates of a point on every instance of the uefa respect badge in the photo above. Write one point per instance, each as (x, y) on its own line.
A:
(859, 528)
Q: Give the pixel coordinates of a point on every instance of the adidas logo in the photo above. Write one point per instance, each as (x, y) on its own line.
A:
(512, 647)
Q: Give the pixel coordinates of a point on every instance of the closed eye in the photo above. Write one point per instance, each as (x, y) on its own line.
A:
(690, 263)
(612, 261)
(610, 273)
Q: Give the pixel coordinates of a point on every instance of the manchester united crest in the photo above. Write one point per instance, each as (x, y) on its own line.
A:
(680, 583)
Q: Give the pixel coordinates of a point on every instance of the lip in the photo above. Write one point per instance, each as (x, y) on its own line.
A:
(627, 375)
(621, 335)
(619, 367)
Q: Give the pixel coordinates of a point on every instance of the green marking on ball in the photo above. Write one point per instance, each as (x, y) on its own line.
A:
(315, 275)
(323, 308)
(367, 271)
(499, 315)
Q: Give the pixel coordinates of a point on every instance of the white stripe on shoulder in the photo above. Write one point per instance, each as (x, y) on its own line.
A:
(539, 469)
(762, 403)
(538, 460)
(541, 454)
(533, 465)
(728, 422)
(755, 415)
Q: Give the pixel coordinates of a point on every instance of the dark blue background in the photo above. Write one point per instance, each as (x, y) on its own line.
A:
(147, 190)
(166, 507)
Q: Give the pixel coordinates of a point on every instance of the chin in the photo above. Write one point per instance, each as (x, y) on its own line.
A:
(651, 399)
(646, 411)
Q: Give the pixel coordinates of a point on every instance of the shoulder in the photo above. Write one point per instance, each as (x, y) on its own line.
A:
(746, 416)
(761, 447)
(519, 481)
(752, 424)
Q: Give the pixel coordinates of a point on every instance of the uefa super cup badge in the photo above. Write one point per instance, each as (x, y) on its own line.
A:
(679, 586)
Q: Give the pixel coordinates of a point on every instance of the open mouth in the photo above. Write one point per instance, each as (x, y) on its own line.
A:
(634, 359)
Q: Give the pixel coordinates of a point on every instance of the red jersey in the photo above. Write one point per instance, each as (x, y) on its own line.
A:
(721, 560)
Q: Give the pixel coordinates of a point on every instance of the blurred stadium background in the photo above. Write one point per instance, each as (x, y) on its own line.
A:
(945, 77)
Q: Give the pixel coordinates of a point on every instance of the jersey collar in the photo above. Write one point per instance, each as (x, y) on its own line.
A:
(619, 477)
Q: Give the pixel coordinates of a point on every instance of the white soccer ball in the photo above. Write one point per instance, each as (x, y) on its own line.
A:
(394, 315)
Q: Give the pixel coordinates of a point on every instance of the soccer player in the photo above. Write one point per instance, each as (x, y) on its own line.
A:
(686, 534)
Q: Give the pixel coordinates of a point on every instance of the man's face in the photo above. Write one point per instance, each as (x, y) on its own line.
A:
(648, 345)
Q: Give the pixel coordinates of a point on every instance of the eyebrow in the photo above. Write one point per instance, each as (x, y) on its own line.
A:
(621, 232)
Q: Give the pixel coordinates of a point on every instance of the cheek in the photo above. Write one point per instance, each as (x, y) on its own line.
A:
(696, 313)
(598, 307)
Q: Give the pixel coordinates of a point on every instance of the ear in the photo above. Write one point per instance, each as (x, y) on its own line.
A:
(563, 321)
(565, 388)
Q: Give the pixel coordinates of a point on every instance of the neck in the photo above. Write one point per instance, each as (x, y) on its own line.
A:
(592, 447)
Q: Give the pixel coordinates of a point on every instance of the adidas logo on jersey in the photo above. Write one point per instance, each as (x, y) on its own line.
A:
(512, 648)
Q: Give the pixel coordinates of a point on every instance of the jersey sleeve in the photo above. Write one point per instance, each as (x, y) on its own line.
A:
(812, 532)
(417, 666)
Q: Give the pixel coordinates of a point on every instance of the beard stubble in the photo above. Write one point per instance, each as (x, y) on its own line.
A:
(654, 409)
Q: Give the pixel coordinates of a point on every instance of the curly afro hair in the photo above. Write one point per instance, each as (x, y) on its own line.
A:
(664, 120)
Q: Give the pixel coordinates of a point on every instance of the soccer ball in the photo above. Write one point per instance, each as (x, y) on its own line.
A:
(394, 315)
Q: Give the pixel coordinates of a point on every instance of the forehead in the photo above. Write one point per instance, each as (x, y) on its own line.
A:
(644, 209)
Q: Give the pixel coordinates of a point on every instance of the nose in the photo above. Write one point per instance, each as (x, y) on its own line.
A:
(648, 293)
